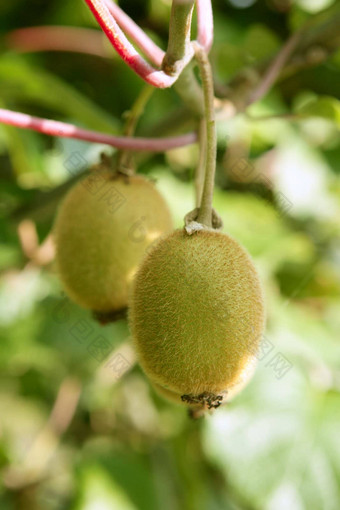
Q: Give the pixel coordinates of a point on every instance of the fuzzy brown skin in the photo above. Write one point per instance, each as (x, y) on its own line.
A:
(102, 230)
(197, 313)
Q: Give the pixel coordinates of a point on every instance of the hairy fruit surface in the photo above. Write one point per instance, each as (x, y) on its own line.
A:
(102, 230)
(224, 396)
(197, 315)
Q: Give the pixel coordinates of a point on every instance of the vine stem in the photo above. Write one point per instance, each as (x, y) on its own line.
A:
(154, 53)
(205, 211)
(125, 157)
(205, 24)
(190, 91)
(179, 51)
(200, 169)
(125, 49)
(137, 110)
(62, 129)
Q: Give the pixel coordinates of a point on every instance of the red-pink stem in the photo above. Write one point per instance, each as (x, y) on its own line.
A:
(205, 24)
(53, 38)
(154, 53)
(125, 49)
(55, 128)
(74, 39)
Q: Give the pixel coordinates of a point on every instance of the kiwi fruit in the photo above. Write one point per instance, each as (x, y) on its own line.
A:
(103, 227)
(197, 316)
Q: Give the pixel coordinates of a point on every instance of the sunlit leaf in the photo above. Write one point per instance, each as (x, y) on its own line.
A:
(326, 107)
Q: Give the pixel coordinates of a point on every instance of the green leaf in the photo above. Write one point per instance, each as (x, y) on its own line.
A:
(325, 107)
(314, 6)
(25, 150)
(227, 59)
(278, 444)
(260, 42)
(121, 467)
(22, 81)
(99, 490)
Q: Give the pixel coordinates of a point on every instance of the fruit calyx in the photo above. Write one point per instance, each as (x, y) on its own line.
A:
(206, 399)
(192, 225)
(117, 170)
(107, 317)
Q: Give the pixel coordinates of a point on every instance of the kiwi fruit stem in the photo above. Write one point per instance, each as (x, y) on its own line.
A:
(202, 59)
(124, 157)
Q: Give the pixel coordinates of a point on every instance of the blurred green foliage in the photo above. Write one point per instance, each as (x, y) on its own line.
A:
(276, 445)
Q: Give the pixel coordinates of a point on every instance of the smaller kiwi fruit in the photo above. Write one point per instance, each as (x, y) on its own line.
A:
(103, 227)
